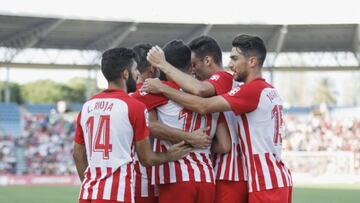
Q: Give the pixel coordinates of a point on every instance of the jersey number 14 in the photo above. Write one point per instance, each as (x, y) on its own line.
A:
(102, 136)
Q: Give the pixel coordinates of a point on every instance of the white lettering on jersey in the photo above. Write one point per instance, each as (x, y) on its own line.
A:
(272, 95)
(214, 77)
(234, 91)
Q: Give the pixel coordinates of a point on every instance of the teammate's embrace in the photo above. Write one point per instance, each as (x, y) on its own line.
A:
(258, 109)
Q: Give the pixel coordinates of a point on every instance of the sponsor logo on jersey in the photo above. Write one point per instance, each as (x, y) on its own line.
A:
(215, 77)
(234, 91)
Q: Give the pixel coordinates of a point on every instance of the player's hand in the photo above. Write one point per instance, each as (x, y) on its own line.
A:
(152, 86)
(199, 138)
(178, 151)
(156, 57)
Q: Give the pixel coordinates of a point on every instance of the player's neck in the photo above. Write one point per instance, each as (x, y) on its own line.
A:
(253, 76)
(215, 68)
(117, 85)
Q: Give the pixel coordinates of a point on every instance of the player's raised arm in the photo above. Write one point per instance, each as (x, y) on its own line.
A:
(191, 102)
(188, 83)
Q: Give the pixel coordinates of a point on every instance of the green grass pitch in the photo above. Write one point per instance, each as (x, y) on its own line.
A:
(69, 194)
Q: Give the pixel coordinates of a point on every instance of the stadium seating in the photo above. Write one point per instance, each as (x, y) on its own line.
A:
(10, 119)
(39, 108)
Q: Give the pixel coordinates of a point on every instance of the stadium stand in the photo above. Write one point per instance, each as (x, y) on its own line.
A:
(39, 108)
(42, 145)
(10, 119)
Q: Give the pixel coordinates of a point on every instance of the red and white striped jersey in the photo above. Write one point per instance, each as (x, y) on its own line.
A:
(108, 125)
(197, 166)
(143, 185)
(260, 125)
(228, 166)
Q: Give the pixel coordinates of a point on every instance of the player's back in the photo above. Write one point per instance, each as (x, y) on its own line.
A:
(260, 120)
(108, 122)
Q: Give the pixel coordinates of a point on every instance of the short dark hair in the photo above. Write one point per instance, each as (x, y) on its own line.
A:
(114, 61)
(206, 46)
(141, 51)
(178, 54)
(251, 46)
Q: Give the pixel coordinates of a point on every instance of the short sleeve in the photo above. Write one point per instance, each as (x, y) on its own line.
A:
(244, 98)
(222, 82)
(152, 101)
(139, 119)
(79, 135)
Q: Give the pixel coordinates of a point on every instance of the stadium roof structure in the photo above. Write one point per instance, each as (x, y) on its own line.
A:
(304, 47)
(21, 32)
(98, 35)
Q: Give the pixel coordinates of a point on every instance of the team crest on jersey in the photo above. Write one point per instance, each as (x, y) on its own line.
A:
(146, 114)
(215, 77)
(234, 91)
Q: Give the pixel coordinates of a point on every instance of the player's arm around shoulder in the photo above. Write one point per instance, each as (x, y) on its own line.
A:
(149, 158)
(197, 139)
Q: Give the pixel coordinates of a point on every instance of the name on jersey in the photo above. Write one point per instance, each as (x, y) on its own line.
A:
(101, 105)
(272, 95)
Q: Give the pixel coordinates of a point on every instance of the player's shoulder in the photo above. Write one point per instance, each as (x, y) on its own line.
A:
(257, 85)
(133, 102)
(253, 88)
(221, 74)
(118, 95)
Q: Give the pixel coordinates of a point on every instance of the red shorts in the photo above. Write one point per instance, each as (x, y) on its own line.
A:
(189, 192)
(146, 199)
(278, 195)
(98, 201)
(231, 191)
